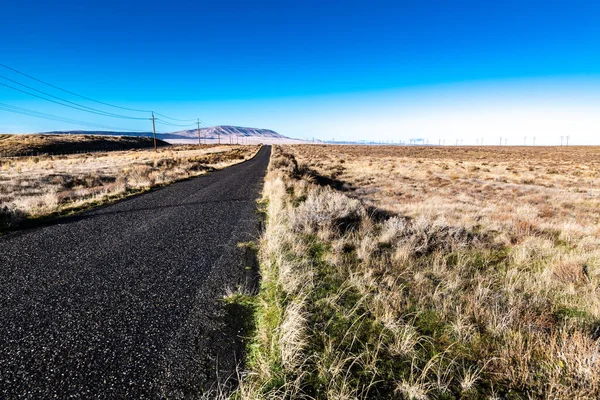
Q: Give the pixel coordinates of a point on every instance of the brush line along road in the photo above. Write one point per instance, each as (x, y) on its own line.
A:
(124, 301)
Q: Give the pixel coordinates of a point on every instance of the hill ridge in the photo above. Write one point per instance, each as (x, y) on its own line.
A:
(211, 132)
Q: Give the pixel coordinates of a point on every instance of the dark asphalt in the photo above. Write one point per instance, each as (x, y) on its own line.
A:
(123, 302)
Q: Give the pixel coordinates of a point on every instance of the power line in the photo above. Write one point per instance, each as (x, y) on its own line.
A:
(90, 99)
(174, 119)
(206, 124)
(70, 106)
(24, 111)
(172, 124)
(94, 110)
(74, 94)
(32, 113)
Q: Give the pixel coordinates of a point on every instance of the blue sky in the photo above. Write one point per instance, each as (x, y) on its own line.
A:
(352, 70)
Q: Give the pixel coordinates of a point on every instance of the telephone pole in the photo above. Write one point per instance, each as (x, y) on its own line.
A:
(199, 141)
(154, 132)
(567, 140)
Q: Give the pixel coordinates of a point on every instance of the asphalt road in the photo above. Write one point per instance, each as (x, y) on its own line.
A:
(124, 301)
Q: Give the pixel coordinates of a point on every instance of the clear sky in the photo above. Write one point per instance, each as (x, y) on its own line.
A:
(377, 70)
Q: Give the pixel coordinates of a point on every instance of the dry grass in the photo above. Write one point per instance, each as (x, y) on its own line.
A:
(429, 273)
(32, 187)
(12, 145)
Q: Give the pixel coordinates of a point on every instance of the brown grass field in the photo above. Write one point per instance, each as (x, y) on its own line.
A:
(429, 272)
(41, 186)
(513, 190)
(13, 145)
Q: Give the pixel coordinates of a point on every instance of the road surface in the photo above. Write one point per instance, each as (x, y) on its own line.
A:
(124, 301)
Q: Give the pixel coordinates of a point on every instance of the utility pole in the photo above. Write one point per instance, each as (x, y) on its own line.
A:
(500, 140)
(505, 141)
(199, 141)
(524, 140)
(534, 140)
(567, 140)
(219, 135)
(561, 140)
(154, 132)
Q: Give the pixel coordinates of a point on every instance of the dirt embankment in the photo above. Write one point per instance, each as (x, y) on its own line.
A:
(22, 145)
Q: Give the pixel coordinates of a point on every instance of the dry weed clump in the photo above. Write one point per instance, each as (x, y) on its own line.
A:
(32, 187)
(451, 292)
(325, 211)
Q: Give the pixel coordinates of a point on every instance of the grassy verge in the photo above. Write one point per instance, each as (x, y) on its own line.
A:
(353, 306)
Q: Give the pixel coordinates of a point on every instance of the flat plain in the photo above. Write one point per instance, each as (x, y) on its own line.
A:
(429, 272)
(509, 189)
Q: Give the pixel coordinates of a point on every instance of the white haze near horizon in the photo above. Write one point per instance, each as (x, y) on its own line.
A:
(515, 111)
(512, 124)
(512, 109)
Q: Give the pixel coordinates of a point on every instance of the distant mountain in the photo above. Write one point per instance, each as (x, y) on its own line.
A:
(224, 133)
(213, 132)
